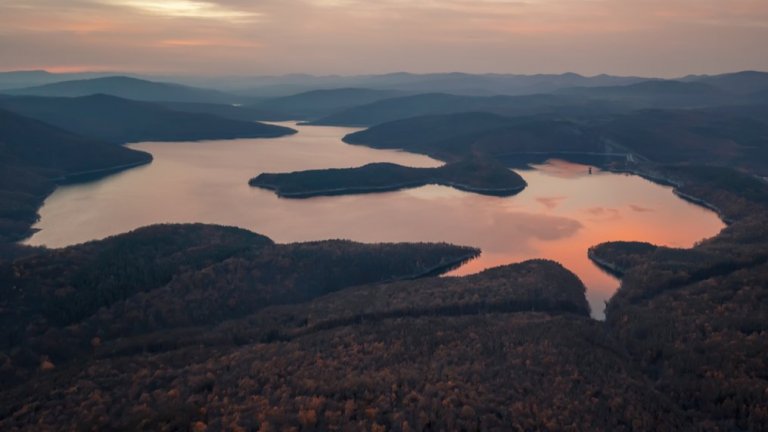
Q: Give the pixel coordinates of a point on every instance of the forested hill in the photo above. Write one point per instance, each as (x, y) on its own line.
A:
(118, 120)
(164, 277)
(476, 175)
(735, 136)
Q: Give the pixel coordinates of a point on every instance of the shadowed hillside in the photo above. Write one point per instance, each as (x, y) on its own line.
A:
(33, 155)
(119, 120)
(319, 103)
(695, 318)
(732, 136)
(658, 94)
(160, 278)
(428, 351)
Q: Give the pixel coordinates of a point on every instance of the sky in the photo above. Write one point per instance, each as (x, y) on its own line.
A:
(664, 38)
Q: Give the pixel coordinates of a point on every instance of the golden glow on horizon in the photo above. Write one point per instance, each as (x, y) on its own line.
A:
(187, 9)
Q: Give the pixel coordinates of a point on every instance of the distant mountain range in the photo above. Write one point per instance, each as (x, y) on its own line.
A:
(572, 101)
(745, 82)
(129, 88)
(456, 83)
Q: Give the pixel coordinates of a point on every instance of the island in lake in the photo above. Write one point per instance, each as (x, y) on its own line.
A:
(476, 175)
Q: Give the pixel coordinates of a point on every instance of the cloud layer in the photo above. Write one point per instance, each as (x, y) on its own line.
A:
(649, 37)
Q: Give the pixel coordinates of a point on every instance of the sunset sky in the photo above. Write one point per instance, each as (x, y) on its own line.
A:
(238, 37)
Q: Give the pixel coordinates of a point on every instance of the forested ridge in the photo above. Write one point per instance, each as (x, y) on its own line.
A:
(223, 329)
(33, 156)
(695, 320)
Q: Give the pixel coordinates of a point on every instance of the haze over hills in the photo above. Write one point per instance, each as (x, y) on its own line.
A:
(319, 103)
(234, 112)
(128, 88)
(120, 120)
(738, 82)
(574, 101)
(21, 79)
(456, 83)
(659, 93)
(441, 103)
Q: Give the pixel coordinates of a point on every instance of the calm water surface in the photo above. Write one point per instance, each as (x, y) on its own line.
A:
(562, 212)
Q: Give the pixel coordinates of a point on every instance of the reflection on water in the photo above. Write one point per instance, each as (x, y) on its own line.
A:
(562, 212)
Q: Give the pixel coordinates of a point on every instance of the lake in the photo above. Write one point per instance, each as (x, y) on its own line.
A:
(563, 211)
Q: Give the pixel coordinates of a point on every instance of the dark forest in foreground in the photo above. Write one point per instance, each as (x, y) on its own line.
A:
(230, 330)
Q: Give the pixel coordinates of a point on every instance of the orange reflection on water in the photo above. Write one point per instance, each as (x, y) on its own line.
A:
(609, 207)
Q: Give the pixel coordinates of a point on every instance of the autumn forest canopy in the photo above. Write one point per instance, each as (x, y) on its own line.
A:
(200, 326)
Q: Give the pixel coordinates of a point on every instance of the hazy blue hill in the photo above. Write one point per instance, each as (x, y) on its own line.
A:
(120, 120)
(398, 108)
(758, 111)
(739, 82)
(494, 84)
(129, 88)
(317, 103)
(716, 136)
(30, 143)
(19, 79)
(454, 83)
(30, 78)
(440, 103)
(33, 154)
(657, 93)
(426, 129)
(760, 97)
(235, 112)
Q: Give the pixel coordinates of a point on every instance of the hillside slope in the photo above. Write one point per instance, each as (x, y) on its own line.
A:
(118, 120)
(33, 154)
